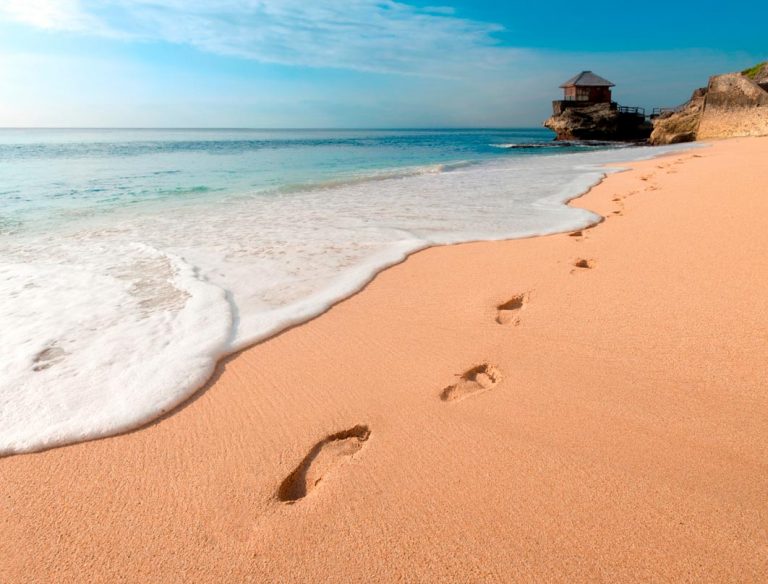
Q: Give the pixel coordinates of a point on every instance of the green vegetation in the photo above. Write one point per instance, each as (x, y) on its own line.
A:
(753, 71)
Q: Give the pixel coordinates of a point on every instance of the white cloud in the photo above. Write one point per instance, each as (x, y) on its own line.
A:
(385, 36)
(49, 14)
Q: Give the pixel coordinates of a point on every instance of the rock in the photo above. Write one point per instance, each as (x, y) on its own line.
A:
(734, 90)
(735, 105)
(598, 122)
(758, 74)
(681, 125)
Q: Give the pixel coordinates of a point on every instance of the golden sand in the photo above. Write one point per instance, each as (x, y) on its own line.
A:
(574, 408)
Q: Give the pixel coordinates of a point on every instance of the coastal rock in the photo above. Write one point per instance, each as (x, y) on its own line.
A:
(758, 74)
(735, 105)
(681, 125)
(734, 90)
(600, 121)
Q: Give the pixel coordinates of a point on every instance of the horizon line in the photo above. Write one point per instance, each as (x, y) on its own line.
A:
(275, 128)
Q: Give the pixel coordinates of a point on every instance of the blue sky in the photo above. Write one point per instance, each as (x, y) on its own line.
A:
(347, 63)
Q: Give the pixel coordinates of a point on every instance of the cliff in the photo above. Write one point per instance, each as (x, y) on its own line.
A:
(600, 121)
(758, 74)
(680, 125)
(734, 104)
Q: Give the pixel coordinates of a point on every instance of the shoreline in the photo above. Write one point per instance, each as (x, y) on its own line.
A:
(576, 472)
(340, 288)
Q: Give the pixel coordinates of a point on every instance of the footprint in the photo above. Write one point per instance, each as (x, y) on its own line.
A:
(48, 357)
(584, 264)
(509, 311)
(576, 234)
(480, 378)
(324, 456)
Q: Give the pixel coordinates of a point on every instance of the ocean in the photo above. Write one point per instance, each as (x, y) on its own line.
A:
(132, 260)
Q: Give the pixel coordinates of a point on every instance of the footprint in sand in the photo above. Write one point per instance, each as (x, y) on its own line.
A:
(576, 234)
(324, 456)
(509, 311)
(620, 210)
(48, 357)
(480, 378)
(583, 264)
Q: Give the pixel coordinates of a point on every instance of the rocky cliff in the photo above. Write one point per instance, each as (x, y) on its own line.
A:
(735, 104)
(680, 125)
(598, 122)
(758, 74)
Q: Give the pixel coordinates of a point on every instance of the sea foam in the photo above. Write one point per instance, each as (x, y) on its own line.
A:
(111, 319)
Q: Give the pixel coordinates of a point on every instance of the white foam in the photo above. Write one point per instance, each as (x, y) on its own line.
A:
(92, 351)
(113, 320)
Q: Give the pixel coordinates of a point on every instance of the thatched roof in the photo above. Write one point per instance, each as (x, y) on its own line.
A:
(587, 79)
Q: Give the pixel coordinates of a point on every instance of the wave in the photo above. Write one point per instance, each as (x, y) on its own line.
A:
(113, 320)
(557, 144)
(375, 176)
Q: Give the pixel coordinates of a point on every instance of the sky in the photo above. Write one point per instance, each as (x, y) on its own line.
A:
(353, 63)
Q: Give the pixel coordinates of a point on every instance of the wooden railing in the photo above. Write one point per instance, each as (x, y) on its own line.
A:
(657, 111)
(638, 111)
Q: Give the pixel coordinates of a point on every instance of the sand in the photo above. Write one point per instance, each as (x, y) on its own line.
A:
(610, 423)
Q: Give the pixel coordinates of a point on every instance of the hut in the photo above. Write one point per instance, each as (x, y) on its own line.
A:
(588, 87)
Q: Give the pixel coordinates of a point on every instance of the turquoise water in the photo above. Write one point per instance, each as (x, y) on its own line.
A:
(56, 174)
(132, 260)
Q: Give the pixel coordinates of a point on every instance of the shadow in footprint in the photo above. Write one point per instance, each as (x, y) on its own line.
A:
(48, 357)
(480, 378)
(584, 264)
(325, 455)
(509, 311)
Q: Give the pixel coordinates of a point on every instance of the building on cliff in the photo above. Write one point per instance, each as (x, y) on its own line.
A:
(583, 90)
(588, 112)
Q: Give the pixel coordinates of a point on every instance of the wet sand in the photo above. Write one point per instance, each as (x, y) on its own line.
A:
(571, 408)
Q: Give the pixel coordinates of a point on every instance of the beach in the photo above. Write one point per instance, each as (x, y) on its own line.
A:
(608, 423)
